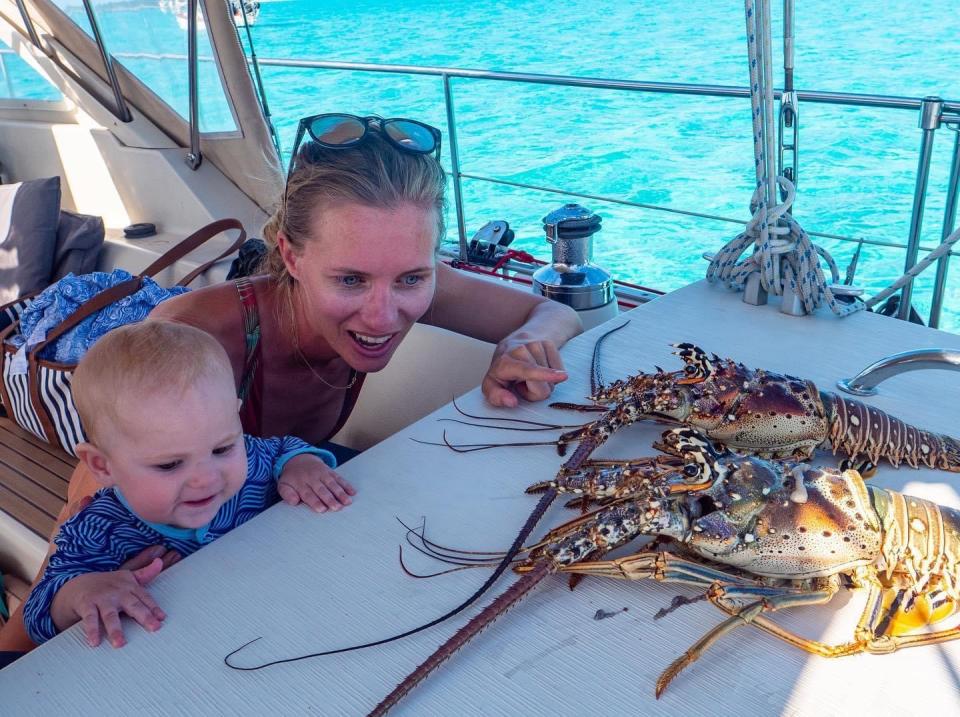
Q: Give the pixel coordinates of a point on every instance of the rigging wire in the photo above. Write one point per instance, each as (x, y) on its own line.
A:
(255, 73)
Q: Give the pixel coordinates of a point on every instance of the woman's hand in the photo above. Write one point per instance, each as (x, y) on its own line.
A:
(98, 599)
(522, 368)
(307, 479)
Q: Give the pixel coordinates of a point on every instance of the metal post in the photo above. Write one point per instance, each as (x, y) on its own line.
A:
(764, 52)
(930, 111)
(28, 24)
(455, 166)
(194, 158)
(788, 108)
(121, 111)
(788, 45)
(949, 215)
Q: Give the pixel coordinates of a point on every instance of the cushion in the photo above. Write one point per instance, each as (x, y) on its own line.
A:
(29, 215)
(79, 238)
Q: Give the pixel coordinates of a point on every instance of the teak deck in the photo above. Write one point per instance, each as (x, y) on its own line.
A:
(33, 478)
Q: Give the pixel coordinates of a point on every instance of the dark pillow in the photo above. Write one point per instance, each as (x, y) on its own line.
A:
(248, 259)
(29, 215)
(79, 238)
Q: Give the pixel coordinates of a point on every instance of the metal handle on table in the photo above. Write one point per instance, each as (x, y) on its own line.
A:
(865, 382)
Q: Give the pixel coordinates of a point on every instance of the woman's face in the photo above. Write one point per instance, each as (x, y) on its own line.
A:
(364, 277)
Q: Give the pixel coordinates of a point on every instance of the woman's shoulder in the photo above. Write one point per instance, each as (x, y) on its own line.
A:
(210, 307)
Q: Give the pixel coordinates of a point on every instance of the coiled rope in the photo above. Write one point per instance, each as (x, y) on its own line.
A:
(783, 254)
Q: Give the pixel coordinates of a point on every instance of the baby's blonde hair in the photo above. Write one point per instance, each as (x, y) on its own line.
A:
(137, 360)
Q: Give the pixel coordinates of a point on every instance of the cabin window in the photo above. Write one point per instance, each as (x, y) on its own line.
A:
(150, 40)
(19, 81)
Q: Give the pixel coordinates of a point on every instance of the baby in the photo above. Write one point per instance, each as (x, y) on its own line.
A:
(160, 409)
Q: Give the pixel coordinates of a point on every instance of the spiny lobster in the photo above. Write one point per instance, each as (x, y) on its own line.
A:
(756, 535)
(761, 412)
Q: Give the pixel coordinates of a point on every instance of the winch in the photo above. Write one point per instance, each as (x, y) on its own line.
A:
(571, 278)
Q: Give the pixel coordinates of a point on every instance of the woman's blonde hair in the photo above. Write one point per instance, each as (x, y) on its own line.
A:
(373, 173)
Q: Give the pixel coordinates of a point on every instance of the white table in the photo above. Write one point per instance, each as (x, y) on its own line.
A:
(306, 582)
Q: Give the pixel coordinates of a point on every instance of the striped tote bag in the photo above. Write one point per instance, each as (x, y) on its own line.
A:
(40, 400)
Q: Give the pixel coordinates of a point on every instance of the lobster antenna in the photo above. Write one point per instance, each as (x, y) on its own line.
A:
(541, 426)
(501, 419)
(491, 612)
(515, 548)
(510, 597)
(596, 378)
(443, 550)
(412, 574)
(471, 447)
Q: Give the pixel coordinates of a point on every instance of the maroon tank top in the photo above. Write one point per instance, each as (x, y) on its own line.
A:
(250, 391)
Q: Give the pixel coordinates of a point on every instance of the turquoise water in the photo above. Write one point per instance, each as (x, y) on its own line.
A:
(856, 167)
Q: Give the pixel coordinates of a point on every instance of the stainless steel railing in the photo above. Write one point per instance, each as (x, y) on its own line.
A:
(933, 113)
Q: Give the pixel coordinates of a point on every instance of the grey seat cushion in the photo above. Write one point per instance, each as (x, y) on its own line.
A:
(29, 216)
(79, 238)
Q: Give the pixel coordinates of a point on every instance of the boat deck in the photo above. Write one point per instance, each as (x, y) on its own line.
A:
(33, 478)
(304, 582)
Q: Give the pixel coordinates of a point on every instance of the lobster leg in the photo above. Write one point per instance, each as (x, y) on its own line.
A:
(609, 479)
(871, 632)
(664, 567)
(600, 430)
(740, 617)
(727, 591)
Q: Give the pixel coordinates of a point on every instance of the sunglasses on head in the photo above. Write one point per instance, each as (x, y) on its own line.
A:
(342, 131)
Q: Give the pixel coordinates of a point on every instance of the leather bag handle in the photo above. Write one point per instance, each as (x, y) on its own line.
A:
(131, 286)
(180, 250)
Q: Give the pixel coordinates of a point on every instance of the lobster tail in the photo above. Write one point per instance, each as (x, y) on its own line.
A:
(861, 430)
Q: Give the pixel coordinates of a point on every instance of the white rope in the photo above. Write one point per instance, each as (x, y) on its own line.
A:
(783, 253)
(791, 247)
(920, 266)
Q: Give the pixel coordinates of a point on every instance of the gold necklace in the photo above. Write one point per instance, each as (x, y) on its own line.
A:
(353, 373)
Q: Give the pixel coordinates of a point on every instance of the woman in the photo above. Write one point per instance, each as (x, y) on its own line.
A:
(352, 265)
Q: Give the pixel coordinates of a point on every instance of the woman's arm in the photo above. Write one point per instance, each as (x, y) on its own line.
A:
(527, 329)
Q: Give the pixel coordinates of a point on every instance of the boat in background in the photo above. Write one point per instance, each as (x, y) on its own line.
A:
(244, 12)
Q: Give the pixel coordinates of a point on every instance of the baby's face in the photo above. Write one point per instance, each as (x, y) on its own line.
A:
(177, 458)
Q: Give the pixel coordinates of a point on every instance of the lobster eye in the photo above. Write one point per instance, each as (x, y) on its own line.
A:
(691, 470)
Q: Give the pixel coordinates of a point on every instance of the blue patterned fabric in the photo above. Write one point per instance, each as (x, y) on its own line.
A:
(60, 300)
(106, 533)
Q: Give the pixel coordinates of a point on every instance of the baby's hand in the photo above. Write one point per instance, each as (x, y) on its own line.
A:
(307, 479)
(97, 599)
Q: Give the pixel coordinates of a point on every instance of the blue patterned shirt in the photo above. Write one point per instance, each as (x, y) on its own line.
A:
(107, 533)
